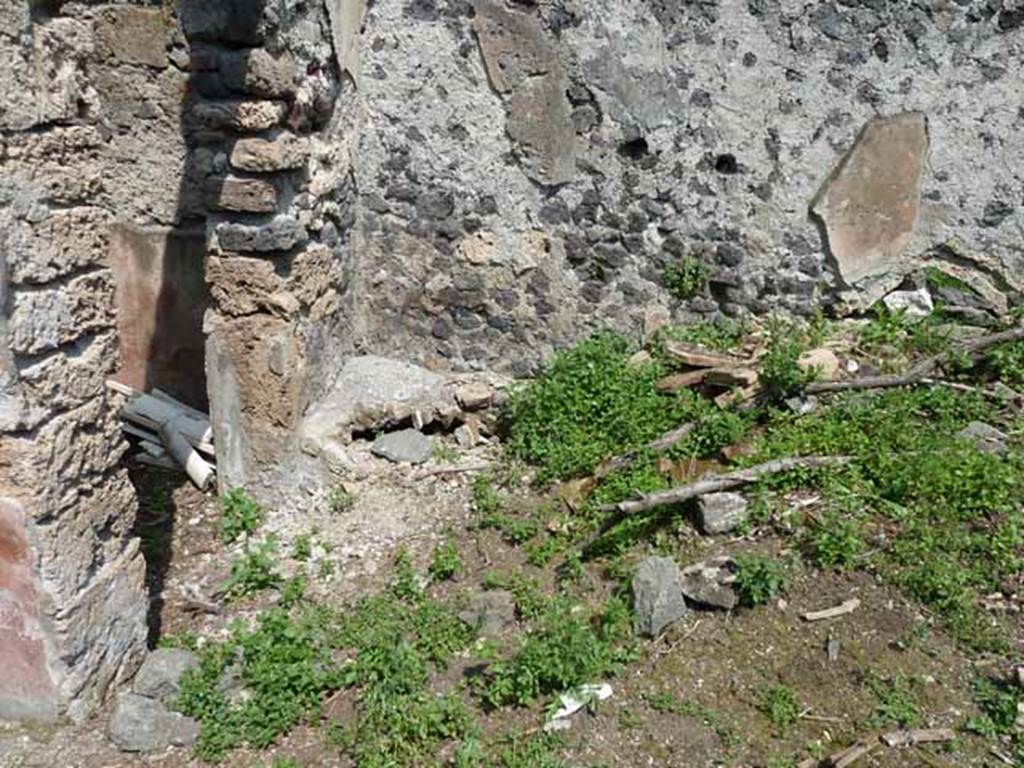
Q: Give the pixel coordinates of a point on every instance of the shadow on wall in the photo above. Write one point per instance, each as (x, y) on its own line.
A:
(162, 292)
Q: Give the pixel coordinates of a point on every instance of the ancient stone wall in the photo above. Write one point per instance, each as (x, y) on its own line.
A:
(527, 169)
(229, 199)
(89, 93)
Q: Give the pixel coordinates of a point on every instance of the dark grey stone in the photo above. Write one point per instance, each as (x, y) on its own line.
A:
(721, 512)
(657, 599)
(160, 674)
(279, 234)
(709, 583)
(435, 204)
(406, 445)
(141, 724)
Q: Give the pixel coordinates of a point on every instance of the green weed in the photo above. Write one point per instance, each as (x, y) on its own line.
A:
(1000, 705)
(446, 562)
(897, 704)
(589, 404)
(779, 704)
(569, 647)
(904, 334)
(1007, 361)
(444, 453)
(339, 500)
(686, 277)
(780, 373)
(759, 578)
(302, 547)
(239, 515)
(254, 570)
(723, 335)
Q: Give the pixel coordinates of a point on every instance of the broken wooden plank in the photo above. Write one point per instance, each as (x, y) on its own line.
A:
(679, 381)
(909, 738)
(698, 357)
(849, 756)
(731, 377)
(847, 606)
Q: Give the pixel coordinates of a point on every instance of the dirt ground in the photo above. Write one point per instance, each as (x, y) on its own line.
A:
(718, 662)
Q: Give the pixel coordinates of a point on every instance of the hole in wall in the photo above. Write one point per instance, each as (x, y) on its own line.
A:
(635, 149)
(726, 164)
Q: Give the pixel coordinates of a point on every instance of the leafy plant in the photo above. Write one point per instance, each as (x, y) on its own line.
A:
(999, 702)
(591, 403)
(781, 374)
(759, 578)
(568, 648)
(406, 585)
(444, 453)
(254, 570)
(897, 704)
(239, 515)
(836, 541)
(686, 277)
(284, 664)
(302, 547)
(340, 500)
(446, 561)
(779, 704)
(1008, 362)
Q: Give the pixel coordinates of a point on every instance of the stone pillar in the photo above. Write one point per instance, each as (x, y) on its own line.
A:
(274, 251)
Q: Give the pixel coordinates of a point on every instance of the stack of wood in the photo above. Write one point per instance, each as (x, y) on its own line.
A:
(734, 378)
(170, 433)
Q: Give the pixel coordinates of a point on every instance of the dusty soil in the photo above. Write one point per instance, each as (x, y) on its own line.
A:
(719, 662)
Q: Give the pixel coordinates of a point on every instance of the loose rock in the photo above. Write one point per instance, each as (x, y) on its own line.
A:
(141, 724)
(490, 611)
(406, 445)
(824, 360)
(913, 303)
(721, 512)
(474, 396)
(985, 437)
(657, 600)
(160, 675)
(709, 583)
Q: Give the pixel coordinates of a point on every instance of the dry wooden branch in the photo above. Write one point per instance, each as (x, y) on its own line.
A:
(917, 736)
(848, 606)
(722, 482)
(454, 469)
(849, 756)
(625, 460)
(712, 485)
(920, 371)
